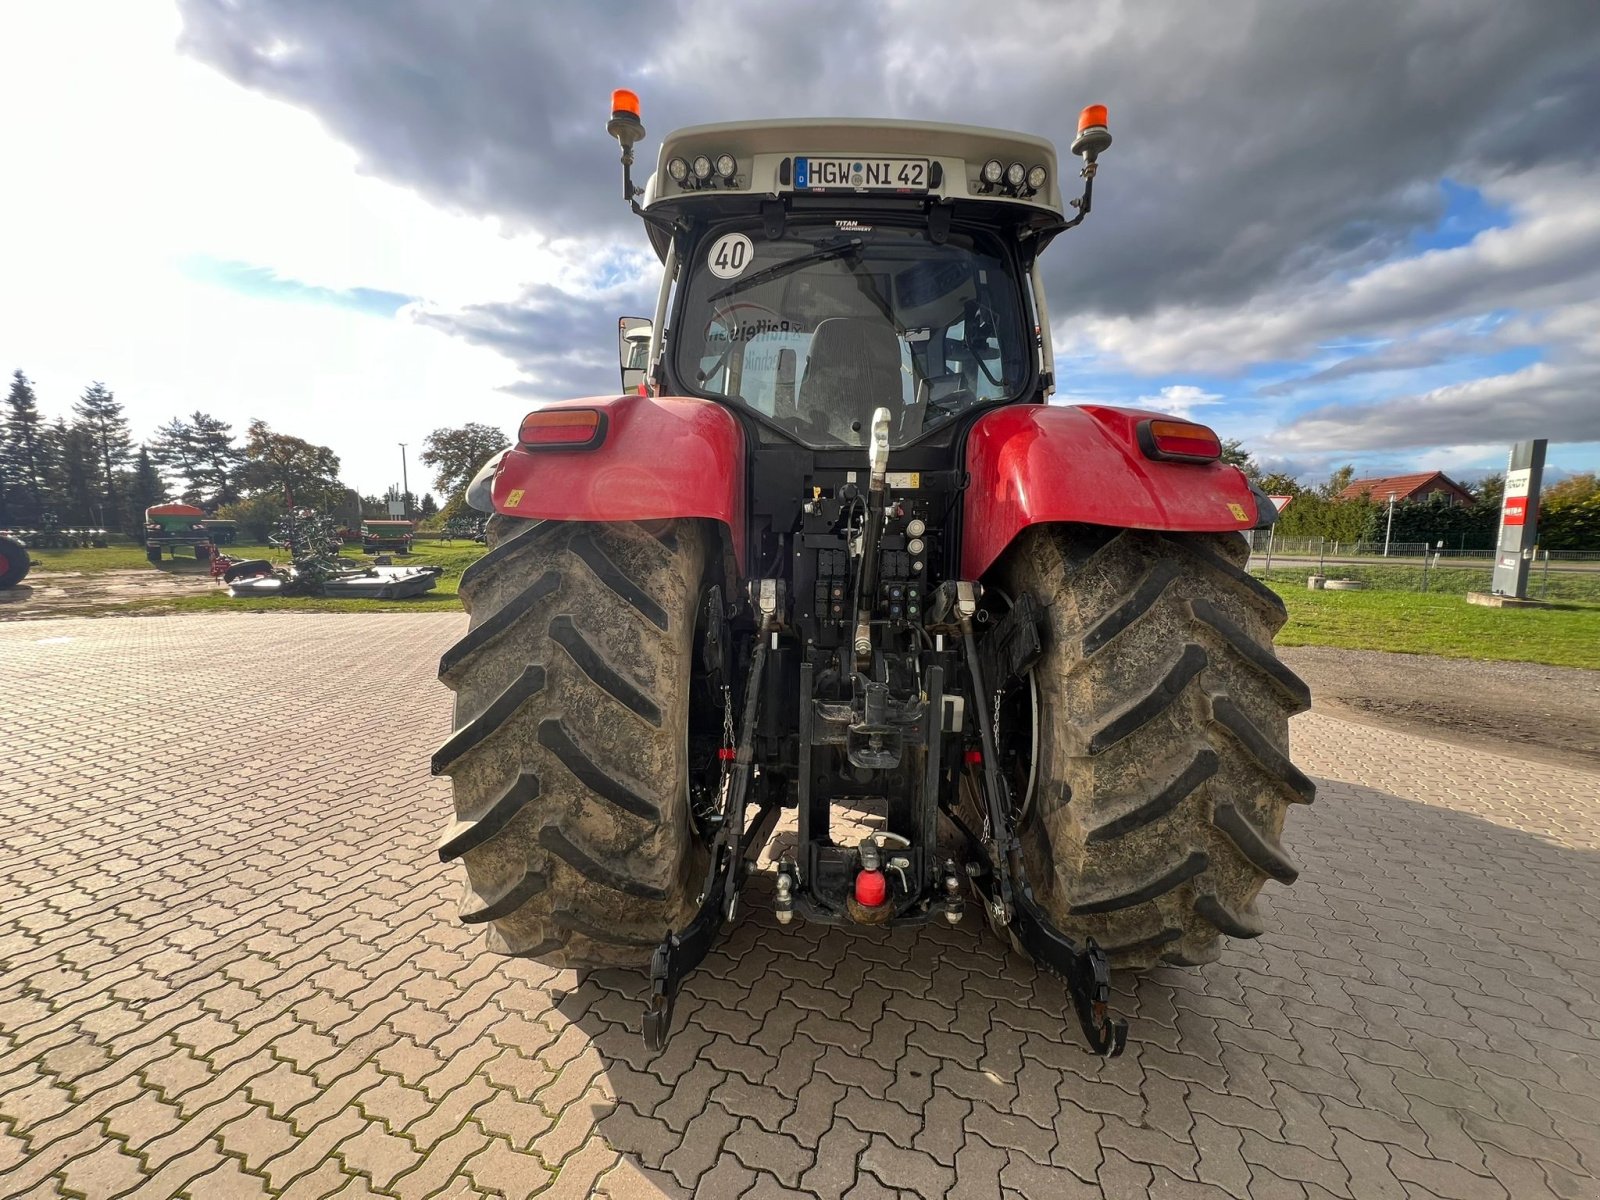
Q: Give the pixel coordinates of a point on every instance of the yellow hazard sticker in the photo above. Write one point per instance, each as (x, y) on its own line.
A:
(514, 500)
(1236, 509)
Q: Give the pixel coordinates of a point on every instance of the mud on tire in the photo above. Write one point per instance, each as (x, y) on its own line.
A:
(1162, 774)
(568, 759)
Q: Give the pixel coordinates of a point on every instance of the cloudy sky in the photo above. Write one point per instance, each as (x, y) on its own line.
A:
(1352, 231)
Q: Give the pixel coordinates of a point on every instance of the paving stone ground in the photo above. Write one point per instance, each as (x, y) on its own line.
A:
(229, 966)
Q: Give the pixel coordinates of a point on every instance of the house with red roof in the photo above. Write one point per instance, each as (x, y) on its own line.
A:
(1424, 485)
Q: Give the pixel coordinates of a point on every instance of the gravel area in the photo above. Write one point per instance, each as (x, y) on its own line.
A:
(1551, 714)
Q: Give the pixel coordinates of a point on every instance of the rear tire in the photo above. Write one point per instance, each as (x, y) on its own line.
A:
(1162, 770)
(569, 760)
(15, 562)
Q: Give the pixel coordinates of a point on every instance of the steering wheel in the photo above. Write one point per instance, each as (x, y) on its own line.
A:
(979, 323)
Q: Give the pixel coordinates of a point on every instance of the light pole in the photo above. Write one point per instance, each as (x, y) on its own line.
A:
(405, 486)
(1389, 528)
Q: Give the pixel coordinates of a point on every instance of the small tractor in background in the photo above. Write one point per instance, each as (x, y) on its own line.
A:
(169, 528)
(223, 533)
(834, 552)
(380, 535)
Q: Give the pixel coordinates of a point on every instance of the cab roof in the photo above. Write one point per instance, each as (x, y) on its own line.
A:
(768, 154)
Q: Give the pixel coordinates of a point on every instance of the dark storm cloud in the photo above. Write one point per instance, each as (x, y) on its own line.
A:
(562, 342)
(1259, 144)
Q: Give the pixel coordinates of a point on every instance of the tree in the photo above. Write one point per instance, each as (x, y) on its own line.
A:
(1337, 482)
(75, 492)
(200, 448)
(256, 516)
(145, 487)
(296, 471)
(216, 459)
(428, 507)
(24, 455)
(1572, 490)
(1235, 455)
(1569, 514)
(456, 454)
(173, 451)
(101, 419)
(1490, 492)
(1279, 484)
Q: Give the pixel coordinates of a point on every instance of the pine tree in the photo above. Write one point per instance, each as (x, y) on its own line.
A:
(78, 493)
(145, 487)
(24, 455)
(174, 451)
(216, 460)
(100, 418)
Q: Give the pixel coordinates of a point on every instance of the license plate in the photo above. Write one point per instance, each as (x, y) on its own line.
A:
(861, 174)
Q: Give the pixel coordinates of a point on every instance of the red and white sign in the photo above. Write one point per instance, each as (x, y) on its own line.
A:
(1514, 509)
(1280, 502)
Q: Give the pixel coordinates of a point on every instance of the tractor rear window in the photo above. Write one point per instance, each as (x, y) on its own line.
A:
(818, 328)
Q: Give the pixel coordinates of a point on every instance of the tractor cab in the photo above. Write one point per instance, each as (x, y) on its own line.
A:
(816, 271)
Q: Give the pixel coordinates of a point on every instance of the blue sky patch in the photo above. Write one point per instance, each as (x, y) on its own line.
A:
(250, 280)
(1467, 213)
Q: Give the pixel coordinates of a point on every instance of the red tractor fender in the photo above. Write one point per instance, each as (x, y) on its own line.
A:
(1029, 464)
(659, 457)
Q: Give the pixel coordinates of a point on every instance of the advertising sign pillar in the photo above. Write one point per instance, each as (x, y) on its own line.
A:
(1519, 519)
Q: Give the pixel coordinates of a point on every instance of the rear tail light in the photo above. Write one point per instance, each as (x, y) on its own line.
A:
(562, 429)
(1178, 441)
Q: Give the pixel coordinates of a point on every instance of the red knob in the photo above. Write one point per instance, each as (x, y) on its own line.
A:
(872, 889)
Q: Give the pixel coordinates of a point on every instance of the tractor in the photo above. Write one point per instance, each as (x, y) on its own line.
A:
(15, 562)
(840, 557)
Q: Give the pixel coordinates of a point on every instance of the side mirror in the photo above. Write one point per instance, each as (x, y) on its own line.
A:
(633, 351)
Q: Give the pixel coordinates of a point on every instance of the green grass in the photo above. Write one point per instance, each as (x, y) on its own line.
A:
(113, 558)
(1442, 624)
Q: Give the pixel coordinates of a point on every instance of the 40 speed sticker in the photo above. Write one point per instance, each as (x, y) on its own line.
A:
(730, 255)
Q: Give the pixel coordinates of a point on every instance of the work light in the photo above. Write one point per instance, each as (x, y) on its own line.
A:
(678, 169)
(702, 167)
(726, 166)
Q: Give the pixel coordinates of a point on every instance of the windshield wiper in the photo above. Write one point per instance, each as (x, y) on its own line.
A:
(838, 249)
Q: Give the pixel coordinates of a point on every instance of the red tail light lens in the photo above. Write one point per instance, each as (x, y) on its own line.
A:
(562, 429)
(1179, 441)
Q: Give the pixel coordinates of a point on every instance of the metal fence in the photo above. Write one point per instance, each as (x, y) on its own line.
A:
(1266, 541)
(1426, 573)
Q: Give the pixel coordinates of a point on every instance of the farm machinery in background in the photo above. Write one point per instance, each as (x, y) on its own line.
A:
(467, 529)
(51, 535)
(171, 528)
(380, 535)
(312, 542)
(15, 561)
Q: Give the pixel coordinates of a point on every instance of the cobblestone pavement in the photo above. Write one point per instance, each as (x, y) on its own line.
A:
(229, 967)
